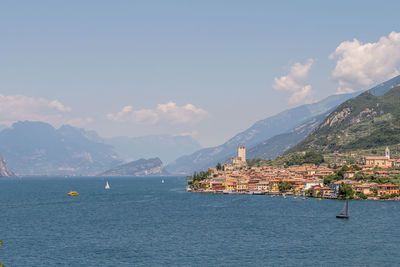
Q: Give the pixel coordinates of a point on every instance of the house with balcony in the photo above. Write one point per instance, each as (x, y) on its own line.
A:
(387, 189)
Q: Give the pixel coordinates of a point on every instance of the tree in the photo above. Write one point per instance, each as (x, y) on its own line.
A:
(299, 159)
(361, 195)
(219, 166)
(313, 157)
(359, 176)
(308, 192)
(345, 192)
(329, 179)
(374, 191)
(387, 196)
(285, 186)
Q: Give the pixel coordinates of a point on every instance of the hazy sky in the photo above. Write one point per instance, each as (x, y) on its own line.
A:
(205, 68)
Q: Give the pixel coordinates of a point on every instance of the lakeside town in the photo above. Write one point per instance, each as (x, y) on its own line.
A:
(362, 177)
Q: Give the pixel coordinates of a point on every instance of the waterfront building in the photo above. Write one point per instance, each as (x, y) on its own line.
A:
(387, 189)
(217, 186)
(309, 184)
(262, 186)
(242, 186)
(274, 185)
(230, 186)
(325, 192)
(362, 188)
(315, 190)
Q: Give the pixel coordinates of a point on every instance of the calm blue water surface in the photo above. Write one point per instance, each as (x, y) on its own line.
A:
(142, 222)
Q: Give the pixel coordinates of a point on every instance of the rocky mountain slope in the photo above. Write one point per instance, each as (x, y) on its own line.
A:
(262, 130)
(142, 167)
(4, 171)
(37, 148)
(370, 120)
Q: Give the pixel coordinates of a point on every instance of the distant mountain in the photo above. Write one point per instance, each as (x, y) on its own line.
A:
(166, 147)
(277, 145)
(367, 121)
(262, 130)
(142, 167)
(4, 171)
(37, 148)
(384, 87)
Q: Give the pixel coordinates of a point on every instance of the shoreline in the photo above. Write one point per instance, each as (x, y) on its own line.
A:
(289, 194)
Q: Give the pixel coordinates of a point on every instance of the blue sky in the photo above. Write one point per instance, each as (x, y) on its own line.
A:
(205, 68)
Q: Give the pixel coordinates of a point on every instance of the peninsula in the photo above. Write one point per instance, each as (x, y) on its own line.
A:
(307, 174)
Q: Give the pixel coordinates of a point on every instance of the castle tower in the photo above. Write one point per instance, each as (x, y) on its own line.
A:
(242, 153)
(387, 152)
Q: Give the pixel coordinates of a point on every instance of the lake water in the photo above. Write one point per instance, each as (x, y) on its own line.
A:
(142, 222)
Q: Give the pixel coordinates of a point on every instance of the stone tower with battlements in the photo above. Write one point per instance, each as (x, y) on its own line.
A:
(242, 153)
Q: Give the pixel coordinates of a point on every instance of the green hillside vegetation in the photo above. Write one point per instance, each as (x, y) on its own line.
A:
(289, 160)
(393, 178)
(194, 180)
(366, 122)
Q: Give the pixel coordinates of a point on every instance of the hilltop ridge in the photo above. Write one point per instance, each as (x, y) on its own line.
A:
(364, 122)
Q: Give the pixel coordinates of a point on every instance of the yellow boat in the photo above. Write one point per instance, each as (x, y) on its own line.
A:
(73, 193)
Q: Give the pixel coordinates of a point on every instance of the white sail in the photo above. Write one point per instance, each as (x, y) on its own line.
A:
(107, 185)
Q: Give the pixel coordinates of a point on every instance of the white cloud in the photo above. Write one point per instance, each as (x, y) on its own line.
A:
(295, 83)
(169, 112)
(300, 95)
(191, 133)
(78, 122)
(127, 114)
(20, 108)
(361, 65)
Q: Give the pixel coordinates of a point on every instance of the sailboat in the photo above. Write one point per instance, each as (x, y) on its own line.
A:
(345, 212)
(162, 181)
(107, 186)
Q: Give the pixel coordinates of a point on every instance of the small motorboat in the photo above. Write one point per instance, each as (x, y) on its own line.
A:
(73, 193)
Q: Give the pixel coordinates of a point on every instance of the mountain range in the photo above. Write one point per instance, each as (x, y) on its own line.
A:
(371, 120)
(273, 136)
(37, 148)
(281, 123)
(141, 167)
(338, 122)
